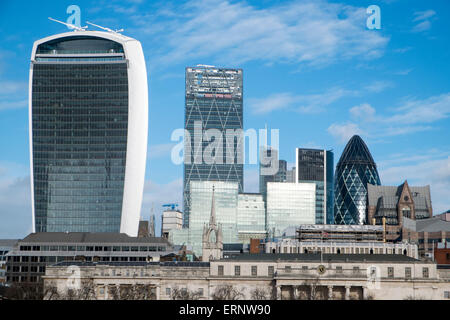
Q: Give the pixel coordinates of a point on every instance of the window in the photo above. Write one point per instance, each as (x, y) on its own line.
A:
(220, 270)
(254, 270)
(34, 259)
(25, 259)
(34, 269)
(338, 269)
(305, 268)
(24, 269)
(446, 294)
(355, 270)
(390, 272)
(237, 270)
(167, 291)
(408, 272)
(287, 269)
(200, 291)
(271, 271)
(425, 272)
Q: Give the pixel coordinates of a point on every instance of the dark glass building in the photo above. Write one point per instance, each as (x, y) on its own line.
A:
(355, 169)
(88, 132)
(315, 165)
(214, 100)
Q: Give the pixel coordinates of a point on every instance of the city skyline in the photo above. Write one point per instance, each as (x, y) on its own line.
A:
(366, 82)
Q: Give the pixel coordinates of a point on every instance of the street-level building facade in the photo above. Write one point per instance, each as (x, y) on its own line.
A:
(266, 276)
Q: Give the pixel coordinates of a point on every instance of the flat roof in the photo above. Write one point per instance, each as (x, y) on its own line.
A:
(326, 257)
(88, 237)
(132, 264)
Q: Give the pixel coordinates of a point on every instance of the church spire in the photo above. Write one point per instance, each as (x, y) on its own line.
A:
(212, 219)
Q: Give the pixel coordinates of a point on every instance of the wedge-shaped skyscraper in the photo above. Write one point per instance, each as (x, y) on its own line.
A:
(355, 169)
(88, 112)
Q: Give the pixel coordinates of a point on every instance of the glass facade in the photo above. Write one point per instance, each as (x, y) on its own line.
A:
(251, 213)
(226, 203)
(355, 169)
(79, 134)
(214, 101)
(315, 165)
(289, 205)
(279, 176)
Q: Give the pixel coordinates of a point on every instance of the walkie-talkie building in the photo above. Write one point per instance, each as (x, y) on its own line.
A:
(355, 169)
(214, 98)
(88, 114)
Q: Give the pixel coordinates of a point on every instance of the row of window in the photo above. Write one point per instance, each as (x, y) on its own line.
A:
(91, 248)
(288, 269)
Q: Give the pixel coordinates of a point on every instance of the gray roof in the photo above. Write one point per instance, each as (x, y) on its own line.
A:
(390, 194)
(434, 224)
(315, 257)
(8, 243)
(133, 264)
(87, 237)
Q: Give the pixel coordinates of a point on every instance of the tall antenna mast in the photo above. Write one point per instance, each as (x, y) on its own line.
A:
(104, 28)
(70, 25)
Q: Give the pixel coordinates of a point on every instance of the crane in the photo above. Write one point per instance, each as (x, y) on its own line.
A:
(104, 28)
(172, 206)
(69, 25)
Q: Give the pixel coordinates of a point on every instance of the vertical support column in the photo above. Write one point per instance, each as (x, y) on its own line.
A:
(158, 292)
(278, 292)
(296, 293)
(347, 292)
(330, 292)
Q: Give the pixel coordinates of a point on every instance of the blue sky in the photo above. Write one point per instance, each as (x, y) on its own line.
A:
(312, 69)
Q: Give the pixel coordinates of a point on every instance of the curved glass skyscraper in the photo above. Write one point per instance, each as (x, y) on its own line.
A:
(88, 132)
(355, 169)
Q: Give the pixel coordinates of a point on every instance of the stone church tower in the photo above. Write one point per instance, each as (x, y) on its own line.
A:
(212, 250)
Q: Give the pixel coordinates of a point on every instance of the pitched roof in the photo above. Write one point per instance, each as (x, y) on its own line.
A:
(421, 195)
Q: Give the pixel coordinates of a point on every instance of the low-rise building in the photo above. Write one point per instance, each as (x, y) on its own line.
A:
(6, 245)
(257, 277)
(341, 247)
(28, 260)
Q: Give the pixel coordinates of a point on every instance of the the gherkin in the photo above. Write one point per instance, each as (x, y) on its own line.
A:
(355, 169)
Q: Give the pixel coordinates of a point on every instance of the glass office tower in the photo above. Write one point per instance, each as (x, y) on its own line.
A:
(289, 205)
(355, 169)
(213, 101)
(226, 204)
(88, 132)
(315, 165)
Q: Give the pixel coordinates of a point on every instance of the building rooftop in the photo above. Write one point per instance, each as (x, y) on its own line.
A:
(313, 257)
(8, 242)
(132, 264)
(87, 237)
(435, 224)
(390, 195)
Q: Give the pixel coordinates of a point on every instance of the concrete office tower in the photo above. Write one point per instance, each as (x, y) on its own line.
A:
(88, 112)
(289, 205)
(355, 169)
(279, 175)
(317, 166)
(214, 100)
(171, 220)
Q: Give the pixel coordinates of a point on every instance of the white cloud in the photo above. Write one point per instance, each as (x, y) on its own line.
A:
(343, 132)
(414, 115)
(311, 32)
(423, 19)
(15, 205)
(306, 104)
(363, 112)
(159, 150)
(429, 171)
(378, 86)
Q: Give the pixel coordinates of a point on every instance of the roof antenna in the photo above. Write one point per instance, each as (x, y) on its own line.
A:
(70, 25)
(106, 29)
